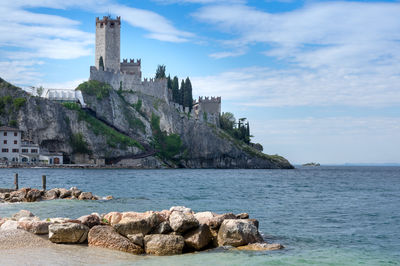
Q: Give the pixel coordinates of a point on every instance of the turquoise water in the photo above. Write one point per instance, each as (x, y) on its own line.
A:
(324, 215)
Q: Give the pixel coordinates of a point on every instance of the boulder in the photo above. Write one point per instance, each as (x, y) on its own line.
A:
(86, 196)
(180, 209)
(33, 195)
(75, 192)
(52, 194)
(204, 217)
(161, 245)
(137, 223)
(9, 225)
(182, 221)
(164, 215)
(90, 220)
(198, 238)
(137, 239)
(22, 213)
(64, 193)
(106, 237)
(242, 216)
(112, 218)
(68, 233)
(217, 220)
(19, 195)
(36, 227)
(238, 232)
(58, 220)
(261, 247)
(162, 228)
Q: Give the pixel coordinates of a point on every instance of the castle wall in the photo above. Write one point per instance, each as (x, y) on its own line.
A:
(131, 67)
(208, 105)
(108, 42)
(155, 88)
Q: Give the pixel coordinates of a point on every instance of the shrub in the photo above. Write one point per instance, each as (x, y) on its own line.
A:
(13, 123)
(79, 145)
(19, 102)
(97, 88)
(167, 146)
(71, 106)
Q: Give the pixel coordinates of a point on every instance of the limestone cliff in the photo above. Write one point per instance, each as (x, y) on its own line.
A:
(129, 129)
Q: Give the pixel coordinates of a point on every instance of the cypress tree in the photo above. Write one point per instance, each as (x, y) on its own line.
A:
(160, 72)
(101, 63)
(182, 93)
(175, 89)
(188, 97)
(169, 82)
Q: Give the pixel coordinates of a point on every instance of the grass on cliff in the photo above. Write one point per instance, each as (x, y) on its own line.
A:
(96, 88)
(167, 146)
(79, 145)
(114, 138)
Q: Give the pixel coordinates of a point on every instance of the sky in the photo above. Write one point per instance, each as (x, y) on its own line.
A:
(319, 81)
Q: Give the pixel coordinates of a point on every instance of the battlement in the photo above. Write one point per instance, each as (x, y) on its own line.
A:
(107, 20)
(207, 99)
(131, 62)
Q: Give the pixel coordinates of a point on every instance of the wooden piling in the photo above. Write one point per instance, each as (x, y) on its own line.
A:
(44, 182)
(16, 181)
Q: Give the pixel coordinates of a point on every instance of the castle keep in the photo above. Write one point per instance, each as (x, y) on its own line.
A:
(127, 75)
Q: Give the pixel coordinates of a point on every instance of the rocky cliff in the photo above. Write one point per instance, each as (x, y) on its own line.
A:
(128, 129)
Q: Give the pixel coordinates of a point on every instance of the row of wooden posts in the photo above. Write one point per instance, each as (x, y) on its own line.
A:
(16, 181)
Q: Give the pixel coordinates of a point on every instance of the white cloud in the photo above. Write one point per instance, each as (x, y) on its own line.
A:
(226, 54)
(258, 86)
(20, 72)
(201, 1)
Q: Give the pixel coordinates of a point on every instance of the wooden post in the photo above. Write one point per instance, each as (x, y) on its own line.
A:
(44, 182)
(16, 181)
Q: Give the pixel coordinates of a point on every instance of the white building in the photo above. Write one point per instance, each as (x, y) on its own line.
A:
(65, 96)
(29, 152)
(10, 144)
(51, 158)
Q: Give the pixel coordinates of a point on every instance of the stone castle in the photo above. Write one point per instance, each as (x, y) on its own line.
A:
(127, 75)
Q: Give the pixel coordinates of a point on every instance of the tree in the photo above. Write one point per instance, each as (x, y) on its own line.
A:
(227, 121)
(187, 97)
(182, 93)
(175, 89)
(39, 90)
(101, 63)
(160, 72)
(169, 82)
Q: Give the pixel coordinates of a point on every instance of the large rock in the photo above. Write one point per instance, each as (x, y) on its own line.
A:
(9, 225)
(33, 195)
(137, 239)
(86, 196)
(64, 193)
(162, 228)
(180, 209)
(36, 227)
(261, 247)
(182, 221)
(204, 217)
(19, 195)
(164, 244)
(198, 238)
(238, 232)
(68, 233)
(75, 192)
(52, 194)
(217, 220)
(21, 214)
(90, 220)
(106, 237)
(243, 215)
(137, 223)
(112, 218)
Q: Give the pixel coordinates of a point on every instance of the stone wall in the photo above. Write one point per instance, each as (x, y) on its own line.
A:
(131, 67)
(209, 105)
(128, 82)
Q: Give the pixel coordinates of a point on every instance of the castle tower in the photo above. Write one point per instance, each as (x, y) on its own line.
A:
(108, 43)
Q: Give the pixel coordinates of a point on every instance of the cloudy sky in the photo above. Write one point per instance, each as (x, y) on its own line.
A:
(318, 80)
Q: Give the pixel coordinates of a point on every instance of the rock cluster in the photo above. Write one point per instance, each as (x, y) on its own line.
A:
(167, 232)
(33, 194)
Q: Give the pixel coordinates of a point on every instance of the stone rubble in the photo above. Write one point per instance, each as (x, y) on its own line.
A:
(167, 232)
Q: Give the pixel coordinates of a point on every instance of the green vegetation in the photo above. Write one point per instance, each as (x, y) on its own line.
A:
(71, 106)
(205, 116)
(160, 72)
(114, 138)
(167, 146)
(13, 123)
(19, 102)
(136, 123)
(137, 105)
(93, 87)
(182, 95)
(79, 145)
(239, 130)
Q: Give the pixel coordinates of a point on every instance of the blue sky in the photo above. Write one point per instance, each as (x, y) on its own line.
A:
(318, 80)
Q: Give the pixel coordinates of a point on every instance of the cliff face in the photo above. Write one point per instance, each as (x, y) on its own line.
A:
(122, 127)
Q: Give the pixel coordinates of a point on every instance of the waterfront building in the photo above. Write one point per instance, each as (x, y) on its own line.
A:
(10, 144)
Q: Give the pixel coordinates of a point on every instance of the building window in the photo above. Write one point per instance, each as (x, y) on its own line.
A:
(4, 150)
(5, 133)
(15, 142)
(25, 150)
(33, 150)
(15, 134)
(5, 142)
(15, 150)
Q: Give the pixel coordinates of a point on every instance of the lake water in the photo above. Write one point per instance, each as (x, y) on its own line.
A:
(322, 215)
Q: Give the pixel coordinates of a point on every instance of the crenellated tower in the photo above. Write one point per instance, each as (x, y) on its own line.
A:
(108, 43)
